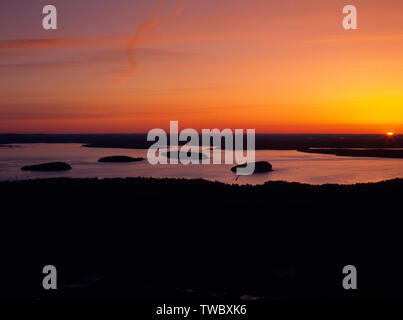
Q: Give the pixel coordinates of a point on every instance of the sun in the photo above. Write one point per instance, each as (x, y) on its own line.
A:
(390, 134)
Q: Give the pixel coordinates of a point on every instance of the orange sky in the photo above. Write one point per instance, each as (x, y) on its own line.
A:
(130, 66)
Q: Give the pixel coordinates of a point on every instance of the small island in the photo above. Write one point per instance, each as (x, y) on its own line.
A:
(119, 159)
(46, 167)
(260, 167)
(10, 146)
(185, 155)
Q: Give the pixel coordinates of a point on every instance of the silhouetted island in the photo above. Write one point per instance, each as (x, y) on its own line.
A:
(189, 154)
(119, 159)
(52, 166)
(10, 146)
(260, 167)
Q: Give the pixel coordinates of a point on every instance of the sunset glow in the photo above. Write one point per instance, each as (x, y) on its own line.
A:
(130, 66)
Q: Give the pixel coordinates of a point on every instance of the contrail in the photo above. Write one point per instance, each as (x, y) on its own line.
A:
(140, 37)
(180, 8)
(133, 44)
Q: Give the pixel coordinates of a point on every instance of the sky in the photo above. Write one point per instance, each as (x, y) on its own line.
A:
(128, 66)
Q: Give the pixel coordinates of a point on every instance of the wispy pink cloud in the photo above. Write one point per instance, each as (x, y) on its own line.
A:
(141, 35)
(133, 45)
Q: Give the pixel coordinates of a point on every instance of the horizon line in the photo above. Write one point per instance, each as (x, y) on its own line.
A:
(145, 133)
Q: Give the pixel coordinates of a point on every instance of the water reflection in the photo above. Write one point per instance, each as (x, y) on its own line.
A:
(290, 166)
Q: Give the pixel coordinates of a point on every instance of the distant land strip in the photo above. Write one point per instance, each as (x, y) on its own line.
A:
(377, 153)
(263, 141)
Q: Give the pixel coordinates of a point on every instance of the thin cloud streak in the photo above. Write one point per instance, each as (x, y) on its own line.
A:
(134, 42)
(140, 37)
(42, 44)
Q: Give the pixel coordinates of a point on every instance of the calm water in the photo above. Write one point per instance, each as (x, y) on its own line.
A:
(290, 166)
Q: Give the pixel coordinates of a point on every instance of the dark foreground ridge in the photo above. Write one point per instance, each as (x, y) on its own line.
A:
(120, 159)
(51, 166)
(192, 239)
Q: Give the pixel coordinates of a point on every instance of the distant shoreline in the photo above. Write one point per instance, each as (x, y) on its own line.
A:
(263, 141)
(373, 153)
(348, 145)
